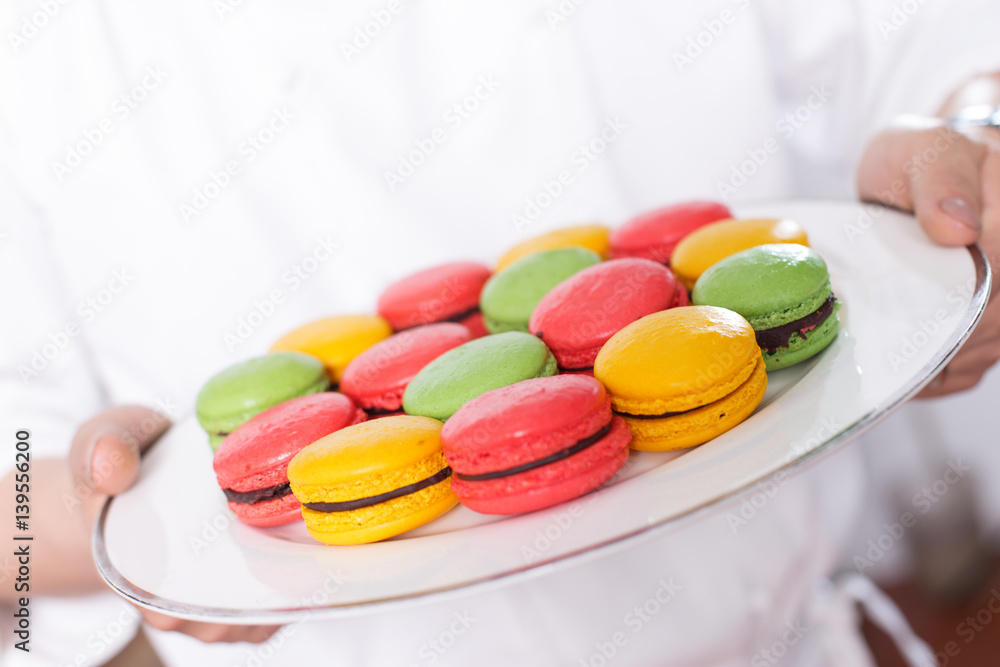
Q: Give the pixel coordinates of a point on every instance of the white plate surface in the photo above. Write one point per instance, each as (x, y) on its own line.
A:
(170, 543)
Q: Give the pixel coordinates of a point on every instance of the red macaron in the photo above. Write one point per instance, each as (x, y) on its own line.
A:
(445, 293)
(653, 235)
(534, 444)
(581, 313)
(377, 378)
(251, 464)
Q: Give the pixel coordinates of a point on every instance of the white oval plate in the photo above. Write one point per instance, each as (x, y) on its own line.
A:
(170, 543)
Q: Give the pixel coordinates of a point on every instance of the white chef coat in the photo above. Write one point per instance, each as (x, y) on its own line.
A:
(183, 182)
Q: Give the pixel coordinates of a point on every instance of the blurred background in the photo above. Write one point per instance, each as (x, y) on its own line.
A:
(166, 166)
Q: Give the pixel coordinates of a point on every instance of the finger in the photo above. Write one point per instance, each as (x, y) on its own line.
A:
(210, 632)
(114, 465)
(952, 384)
(967, 368)
(161, 621)
(214, 633)
(945, 175)
(106, 449)
(990, 239)
(922, 165)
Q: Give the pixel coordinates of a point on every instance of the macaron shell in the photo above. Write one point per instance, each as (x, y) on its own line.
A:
(677, 360)
(511, 295)
(382, 521)
(770, 285)
(654, 235)
(591, 237)
(460, 375)
(715, 241)
(239, 392)
(800, 349)
(336, 340)
(702, 424)
(367, 459)
(256, 454)
(581, 313)
(277, 512)
(433, 295)
(377, 377)
(550, 484)
(524, 422)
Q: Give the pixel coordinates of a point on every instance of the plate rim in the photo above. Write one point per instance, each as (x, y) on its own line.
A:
(145, 599)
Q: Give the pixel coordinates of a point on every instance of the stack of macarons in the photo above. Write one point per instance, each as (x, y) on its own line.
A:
(516, 388)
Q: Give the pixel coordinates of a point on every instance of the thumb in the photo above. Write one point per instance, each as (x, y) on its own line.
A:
(946, 191)
(106, 449)
(922, 165)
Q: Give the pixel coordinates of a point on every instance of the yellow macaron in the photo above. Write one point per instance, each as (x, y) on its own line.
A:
(682, 376)
(717, 240)
(591, 237)
(373, 480)
(336, 340)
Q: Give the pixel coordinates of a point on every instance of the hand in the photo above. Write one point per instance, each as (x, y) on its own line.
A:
(105, 457)
(951, 181)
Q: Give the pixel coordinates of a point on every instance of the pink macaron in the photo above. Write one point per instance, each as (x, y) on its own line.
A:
(653, 235)
(251, 464)
(445, 293)
(534, 444)
(377, 378)
(581, 313)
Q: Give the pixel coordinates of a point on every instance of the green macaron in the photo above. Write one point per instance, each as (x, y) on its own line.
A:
(239, 392)
(471, 369)
(510, 296)
(783, 290)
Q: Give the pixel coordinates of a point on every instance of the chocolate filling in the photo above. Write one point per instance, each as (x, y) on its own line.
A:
(377, 412)
(258, 495)
(659, 416)
(770, 340)
(552, 458)
(349, 505)
(458, 317)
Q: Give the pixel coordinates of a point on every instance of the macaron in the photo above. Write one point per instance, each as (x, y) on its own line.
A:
(784, 291)
(336, 340)
(251, 465)
(239, 392)
(582, 312)
(716, 241)
(445, 293)
(372, 481)
(591, 237)
(511, 295)
(682, 376)
(655, 234)
(378, 376)
(534, 444)
(459, 375)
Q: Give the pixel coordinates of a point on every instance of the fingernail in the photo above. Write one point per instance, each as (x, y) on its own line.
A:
(87, 473)
(960, 210)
